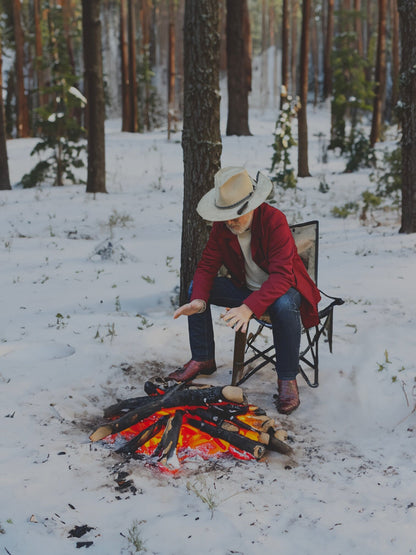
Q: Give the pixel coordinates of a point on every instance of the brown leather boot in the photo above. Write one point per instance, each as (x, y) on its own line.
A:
(288, 396)
(192, 369)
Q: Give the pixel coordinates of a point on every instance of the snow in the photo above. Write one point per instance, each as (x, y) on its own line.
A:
(79, 330)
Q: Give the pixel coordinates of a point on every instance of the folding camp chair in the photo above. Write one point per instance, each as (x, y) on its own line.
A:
(306, 237)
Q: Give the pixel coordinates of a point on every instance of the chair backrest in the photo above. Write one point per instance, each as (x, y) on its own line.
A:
(306, 236)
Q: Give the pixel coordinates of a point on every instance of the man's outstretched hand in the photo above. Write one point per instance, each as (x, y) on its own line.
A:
(188, 309)
(238, 317)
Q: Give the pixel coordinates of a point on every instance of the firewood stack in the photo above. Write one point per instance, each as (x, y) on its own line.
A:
(173, 423)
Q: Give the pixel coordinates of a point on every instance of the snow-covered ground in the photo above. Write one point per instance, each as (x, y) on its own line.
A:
(78, 331)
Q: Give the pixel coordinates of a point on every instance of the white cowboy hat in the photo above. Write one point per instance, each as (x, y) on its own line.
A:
(235, 193)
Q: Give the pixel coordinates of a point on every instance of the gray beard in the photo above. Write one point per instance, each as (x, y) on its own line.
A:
(237, 230)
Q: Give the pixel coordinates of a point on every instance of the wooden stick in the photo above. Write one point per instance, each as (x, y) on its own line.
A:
(279, 446)
(134, 416)
(233, 424)
(144, 436)
(126, 404)
(241, 442)
(174, 398)
(166, 450)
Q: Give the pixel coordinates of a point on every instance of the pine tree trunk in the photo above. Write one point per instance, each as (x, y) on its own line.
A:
(223, 36)
(303, 165)
(171, 66)
(133, 92)
(407, 12)
(67, 17)
(21, 99)
(238, 67)
(4, 164)
(264, 69)
(125, 82)
(369, 32)
(40, 73)
(328, 50)
(180, 17)
(380, 74)
(94, 88)
(273, 44)
(285, 51)
(294, 47)
(315, 59)
(395, 57)
(201, 139)
(359, 27)
(145, 48)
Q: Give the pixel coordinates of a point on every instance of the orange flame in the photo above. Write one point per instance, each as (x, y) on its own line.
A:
(192, 441)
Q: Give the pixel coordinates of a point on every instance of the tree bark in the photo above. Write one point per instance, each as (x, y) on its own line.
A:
(125, 81)
(146, 58)
(285, 52)
(407, 14)
(264, 67)
(303, 165)
(380, 74)
(133, 91)
(294, 47)
(67, 16)
(328, 50)
(94, 88)
(4, 164)
(171, 66)
(395, 56)
(273, 44)
(238, 67)
(21, 99)
(40, 72)
(315, 58)
(201, 139)
(359, 27)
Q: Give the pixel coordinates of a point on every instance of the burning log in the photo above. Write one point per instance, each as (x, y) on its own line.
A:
(174, 398)
(241, 442)
(192, 396)
(233, 424)
(166, 450)
(175, 422)
(143, 437)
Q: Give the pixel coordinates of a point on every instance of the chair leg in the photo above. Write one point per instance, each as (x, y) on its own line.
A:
(238, 359)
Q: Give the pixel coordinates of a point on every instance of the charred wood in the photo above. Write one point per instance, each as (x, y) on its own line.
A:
(174, 398)
(166, 450)
(255, 448)
(144, 436)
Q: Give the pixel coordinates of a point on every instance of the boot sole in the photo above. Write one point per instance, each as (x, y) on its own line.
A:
(287, 411)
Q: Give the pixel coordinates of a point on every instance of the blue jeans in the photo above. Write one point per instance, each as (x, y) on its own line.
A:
(284, 314)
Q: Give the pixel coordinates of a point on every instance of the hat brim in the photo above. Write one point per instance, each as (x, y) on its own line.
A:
(209, 211)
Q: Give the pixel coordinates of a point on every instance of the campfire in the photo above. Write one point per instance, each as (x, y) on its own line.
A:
(172, 423)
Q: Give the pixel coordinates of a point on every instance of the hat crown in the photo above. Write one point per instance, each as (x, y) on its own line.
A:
(233, 185)
(235, 193)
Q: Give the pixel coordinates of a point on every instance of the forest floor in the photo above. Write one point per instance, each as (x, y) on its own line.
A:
(79, 331)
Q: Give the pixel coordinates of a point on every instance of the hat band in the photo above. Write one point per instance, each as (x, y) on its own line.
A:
(246, 198)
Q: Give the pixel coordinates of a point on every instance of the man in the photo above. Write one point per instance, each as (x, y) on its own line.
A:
(253, 241)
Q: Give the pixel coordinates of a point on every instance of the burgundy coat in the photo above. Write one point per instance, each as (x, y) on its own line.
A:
(273, 249)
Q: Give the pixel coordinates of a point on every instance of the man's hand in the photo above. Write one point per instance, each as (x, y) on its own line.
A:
(188, 309)
(238, 318)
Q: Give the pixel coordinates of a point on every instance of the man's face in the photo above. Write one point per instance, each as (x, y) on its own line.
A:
(240, 224)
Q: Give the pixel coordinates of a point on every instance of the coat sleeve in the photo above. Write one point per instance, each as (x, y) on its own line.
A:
(208, 267)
